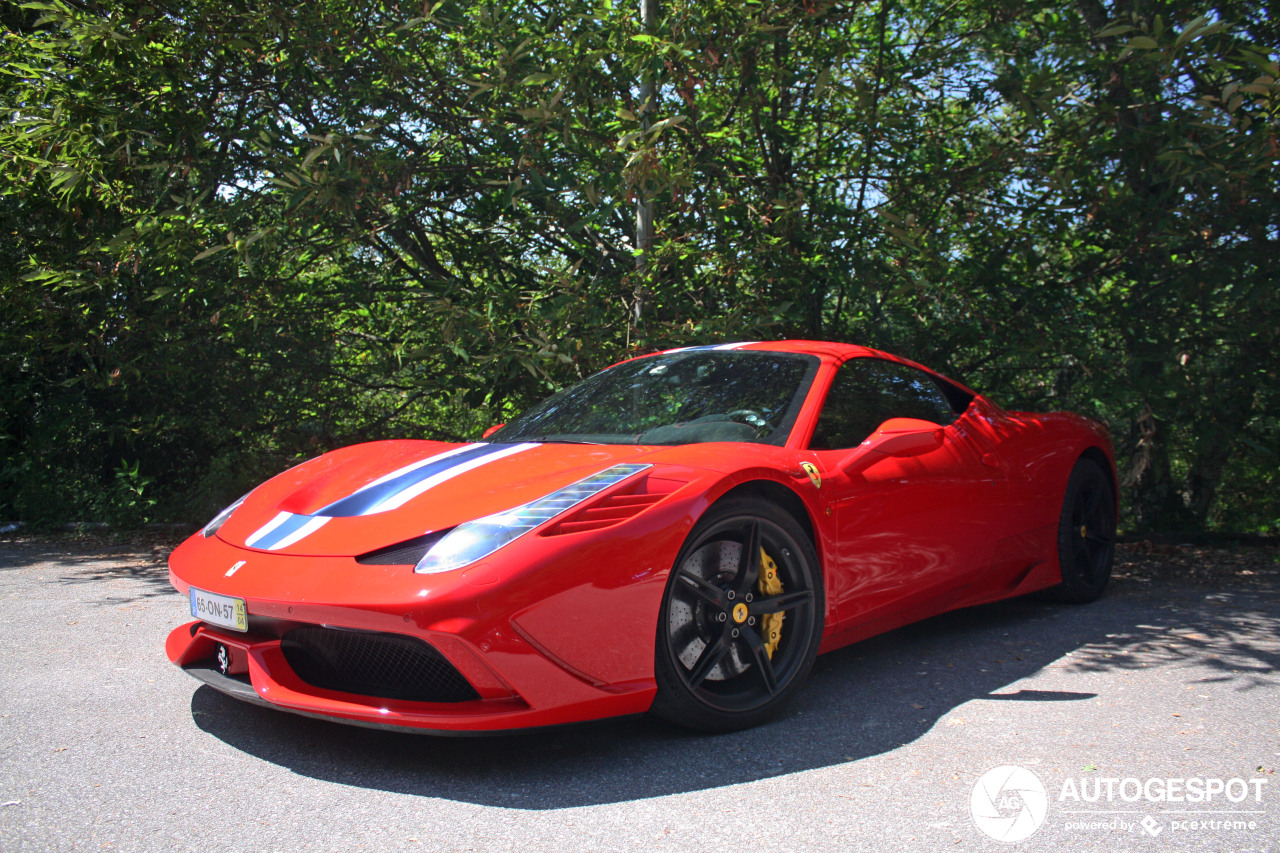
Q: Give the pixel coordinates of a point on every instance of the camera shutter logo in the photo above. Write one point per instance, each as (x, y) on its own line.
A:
(1009, 803)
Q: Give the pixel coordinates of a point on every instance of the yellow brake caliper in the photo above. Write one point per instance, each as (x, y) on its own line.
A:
(769, 584)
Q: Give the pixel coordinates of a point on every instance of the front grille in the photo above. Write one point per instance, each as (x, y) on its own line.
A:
(389, 666)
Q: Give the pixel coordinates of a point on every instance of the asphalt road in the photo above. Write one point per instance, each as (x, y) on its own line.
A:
(105, 745)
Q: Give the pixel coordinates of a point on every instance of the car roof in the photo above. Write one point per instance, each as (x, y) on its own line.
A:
(829, 351)
(832, 349)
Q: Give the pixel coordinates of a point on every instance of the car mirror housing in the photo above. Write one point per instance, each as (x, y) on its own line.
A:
(897, 437)
(491, 430)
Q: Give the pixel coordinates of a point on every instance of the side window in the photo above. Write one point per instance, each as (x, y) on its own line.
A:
(867, 392)
(853, 408)
(915, 394)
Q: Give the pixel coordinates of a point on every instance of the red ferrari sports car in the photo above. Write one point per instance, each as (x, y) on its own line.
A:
(681, 533)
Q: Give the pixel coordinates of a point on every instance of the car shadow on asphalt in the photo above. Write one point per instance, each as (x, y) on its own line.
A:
(864, 700)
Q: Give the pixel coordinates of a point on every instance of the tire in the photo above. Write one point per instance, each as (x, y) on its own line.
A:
(736, 637)
(1086, 535)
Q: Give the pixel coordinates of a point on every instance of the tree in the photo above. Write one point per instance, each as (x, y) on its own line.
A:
(238, 233)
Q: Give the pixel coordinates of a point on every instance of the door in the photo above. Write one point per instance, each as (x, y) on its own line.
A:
(909, 528)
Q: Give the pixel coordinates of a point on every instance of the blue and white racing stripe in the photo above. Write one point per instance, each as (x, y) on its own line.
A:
(399, 487)
(708, 347)
(285, 529)
(385, 493)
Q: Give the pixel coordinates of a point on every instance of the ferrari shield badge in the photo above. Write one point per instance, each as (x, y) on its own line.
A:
(812, 471)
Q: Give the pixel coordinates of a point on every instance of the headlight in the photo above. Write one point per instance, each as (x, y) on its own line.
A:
(221, 518)
(475, 540)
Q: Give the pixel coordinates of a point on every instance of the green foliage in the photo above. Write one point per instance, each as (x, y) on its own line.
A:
(130, 501)
(236, 235)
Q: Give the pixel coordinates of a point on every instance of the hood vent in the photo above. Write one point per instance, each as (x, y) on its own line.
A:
(406, 553)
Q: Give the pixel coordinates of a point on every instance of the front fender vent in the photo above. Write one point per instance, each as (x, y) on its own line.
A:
(614, 509)
(617, 507)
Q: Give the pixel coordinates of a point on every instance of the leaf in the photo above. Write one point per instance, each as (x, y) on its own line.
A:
(313, 154)
(1191, 31)
(210, 252)
(658, 126)
(1113, 30)
(1142, 43)
(43, 275)
(823, 83)
(537, 78)
(628, 138)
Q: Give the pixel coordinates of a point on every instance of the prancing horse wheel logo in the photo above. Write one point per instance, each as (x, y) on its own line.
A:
(739, 613)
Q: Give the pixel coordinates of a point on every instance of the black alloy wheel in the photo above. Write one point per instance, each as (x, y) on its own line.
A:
(1086, 534)
(741, 618)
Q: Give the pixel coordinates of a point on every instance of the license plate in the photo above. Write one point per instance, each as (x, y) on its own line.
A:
(221, 610)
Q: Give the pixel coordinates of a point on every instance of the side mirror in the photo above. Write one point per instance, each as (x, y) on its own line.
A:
(897, 437)
(491, 430)
(905, 437)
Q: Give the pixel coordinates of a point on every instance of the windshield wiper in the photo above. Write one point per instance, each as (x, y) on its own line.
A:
(555, 439)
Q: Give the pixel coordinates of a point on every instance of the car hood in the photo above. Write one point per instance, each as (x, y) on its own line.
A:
(371, 496)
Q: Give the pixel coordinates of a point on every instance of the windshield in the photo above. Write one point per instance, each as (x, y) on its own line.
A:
(684, 397)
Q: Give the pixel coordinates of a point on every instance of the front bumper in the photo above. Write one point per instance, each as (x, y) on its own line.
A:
(555, 632)
(261, 674)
